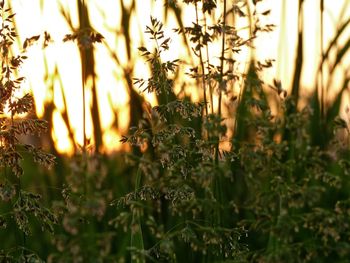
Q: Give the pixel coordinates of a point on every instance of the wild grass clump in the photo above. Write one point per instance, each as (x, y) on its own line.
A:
(273, 196)
(19, 207)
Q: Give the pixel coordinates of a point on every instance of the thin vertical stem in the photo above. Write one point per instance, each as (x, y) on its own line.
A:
(221, 75)
(251, 55)
(283, 42)
(222, 56)
(321, 66)
(209, 84)
(83, 62)
(208, 63)
(84, 102)
(202, 65)
(216, 182)
(83, 86)
(299, 56)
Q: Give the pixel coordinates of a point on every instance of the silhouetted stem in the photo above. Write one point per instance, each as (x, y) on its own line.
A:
(321, 68)
(202, 66)
(222, 56)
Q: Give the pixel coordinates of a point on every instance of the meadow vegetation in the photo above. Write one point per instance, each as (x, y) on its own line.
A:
(219, 180)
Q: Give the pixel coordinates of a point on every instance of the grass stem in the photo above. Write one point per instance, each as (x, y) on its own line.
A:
(202, 66)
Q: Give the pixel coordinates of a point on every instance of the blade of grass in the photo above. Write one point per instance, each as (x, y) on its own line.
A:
(321, 114)
(126, 22)
(321, 48)
(299, 57)
(217, 184)
(64, 113)
(292, 106)
(333, 44)
(88, 70)
(243, 112)
(135, 99)
(339, 57)
(204, 86)
(333, 111)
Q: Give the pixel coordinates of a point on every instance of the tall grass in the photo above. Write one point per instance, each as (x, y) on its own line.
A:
(279, 193)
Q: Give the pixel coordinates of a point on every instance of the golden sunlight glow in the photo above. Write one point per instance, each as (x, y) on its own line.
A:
(61, 139)
(54, 74)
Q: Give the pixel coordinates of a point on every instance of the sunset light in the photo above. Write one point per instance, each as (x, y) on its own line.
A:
(54, 73)
(180, 131)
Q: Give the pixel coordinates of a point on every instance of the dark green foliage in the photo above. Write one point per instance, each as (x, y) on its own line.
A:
(284, 213)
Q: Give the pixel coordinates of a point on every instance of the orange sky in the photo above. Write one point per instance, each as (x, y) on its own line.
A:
(105, 16)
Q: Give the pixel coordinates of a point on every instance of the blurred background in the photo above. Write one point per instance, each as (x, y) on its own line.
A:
(310, 37)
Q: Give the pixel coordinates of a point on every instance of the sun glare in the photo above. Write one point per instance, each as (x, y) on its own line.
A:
(54, 74)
